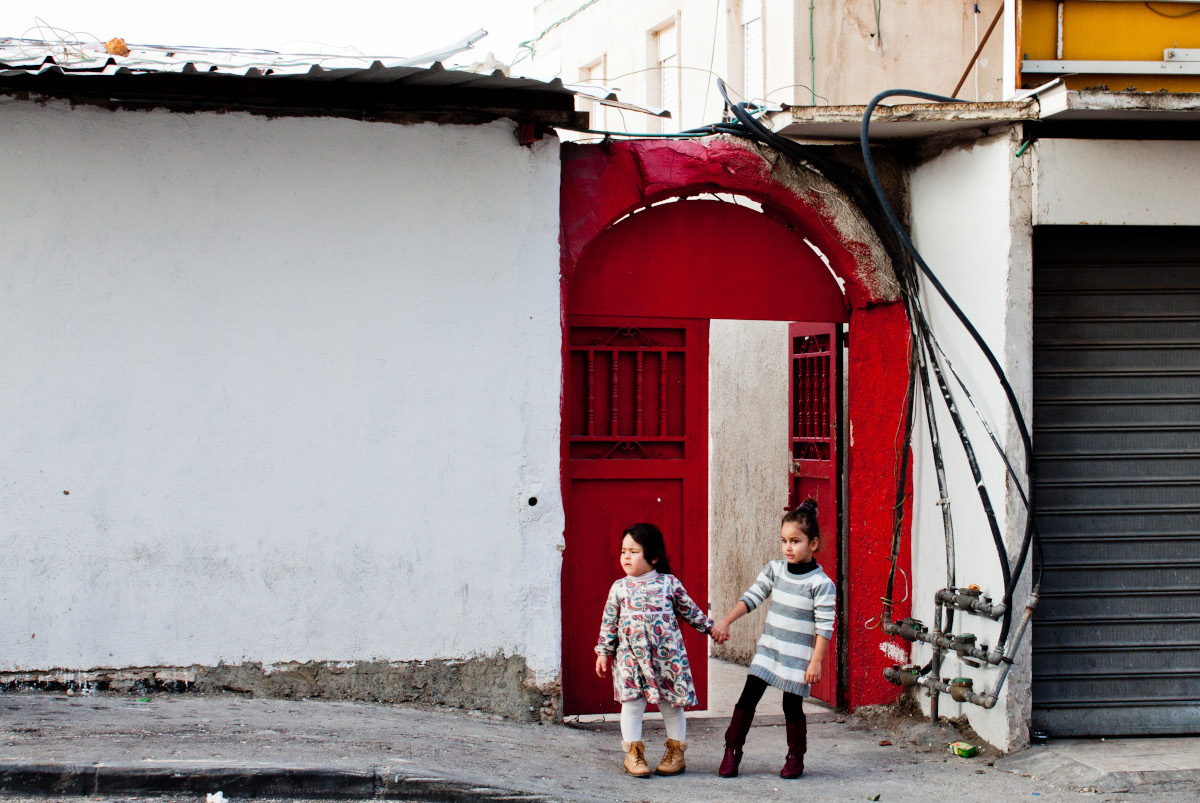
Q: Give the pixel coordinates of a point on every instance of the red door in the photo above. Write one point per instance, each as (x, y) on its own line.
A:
(635, 448)
(815, 400)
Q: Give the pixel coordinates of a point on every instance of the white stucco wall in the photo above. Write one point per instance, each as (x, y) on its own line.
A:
(276, 390)
(1116, 182)
(970, 220)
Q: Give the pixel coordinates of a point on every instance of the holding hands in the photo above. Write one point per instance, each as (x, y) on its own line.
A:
(720, 631)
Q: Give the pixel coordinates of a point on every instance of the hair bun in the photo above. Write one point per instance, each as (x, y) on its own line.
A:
(809, 505)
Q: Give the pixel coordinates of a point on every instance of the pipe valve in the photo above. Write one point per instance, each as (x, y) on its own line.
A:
(961, 689)
(971, 600)
(907, 675)
(964, 645)
(911, 629)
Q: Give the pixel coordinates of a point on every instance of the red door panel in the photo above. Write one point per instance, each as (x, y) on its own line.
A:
(635, 448)
(601, 510)
(815, 400)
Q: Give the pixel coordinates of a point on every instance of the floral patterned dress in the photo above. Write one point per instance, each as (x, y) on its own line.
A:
(640, 628)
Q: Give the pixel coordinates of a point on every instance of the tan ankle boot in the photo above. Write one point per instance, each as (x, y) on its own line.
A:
(635, 759)
(673, 763)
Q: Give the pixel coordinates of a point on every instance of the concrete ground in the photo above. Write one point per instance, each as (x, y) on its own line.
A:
(187, 745)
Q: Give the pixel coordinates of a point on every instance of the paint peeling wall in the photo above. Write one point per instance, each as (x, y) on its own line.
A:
(748, 466)
(971, 221)
(862, 47)
(277, 391)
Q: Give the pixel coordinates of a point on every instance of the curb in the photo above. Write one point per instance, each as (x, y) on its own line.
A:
(243, 782)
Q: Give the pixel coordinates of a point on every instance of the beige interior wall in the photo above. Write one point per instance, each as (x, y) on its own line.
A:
(748, 465)
(916, 44)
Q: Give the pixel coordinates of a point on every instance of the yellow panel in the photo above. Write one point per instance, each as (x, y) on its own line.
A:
(1111, 31)
(1039, 28)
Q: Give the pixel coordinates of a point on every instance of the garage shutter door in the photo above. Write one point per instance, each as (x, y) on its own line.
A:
(1116, 363)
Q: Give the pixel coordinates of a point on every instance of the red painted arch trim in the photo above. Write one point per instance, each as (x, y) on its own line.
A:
(603, 183)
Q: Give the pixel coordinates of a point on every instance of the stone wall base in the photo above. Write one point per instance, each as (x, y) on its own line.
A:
(500, 684)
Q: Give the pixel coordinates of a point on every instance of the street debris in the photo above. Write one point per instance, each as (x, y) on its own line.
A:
(963, 749)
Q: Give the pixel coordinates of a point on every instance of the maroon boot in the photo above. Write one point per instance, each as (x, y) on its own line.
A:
(735, 737)
(797, 740)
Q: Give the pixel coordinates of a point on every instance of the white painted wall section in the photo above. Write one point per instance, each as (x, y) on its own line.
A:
(967, 214)
(1116, 182)
(276, 390)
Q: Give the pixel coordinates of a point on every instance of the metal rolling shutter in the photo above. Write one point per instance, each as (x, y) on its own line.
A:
(1116, 364)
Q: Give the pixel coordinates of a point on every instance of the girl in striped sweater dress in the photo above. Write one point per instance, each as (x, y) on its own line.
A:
(795, 637)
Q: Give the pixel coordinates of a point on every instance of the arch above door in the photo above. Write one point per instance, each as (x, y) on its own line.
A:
(704, 259)
(602, 184)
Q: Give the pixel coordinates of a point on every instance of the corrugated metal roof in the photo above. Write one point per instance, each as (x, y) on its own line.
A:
(96, 58)
(277, 83)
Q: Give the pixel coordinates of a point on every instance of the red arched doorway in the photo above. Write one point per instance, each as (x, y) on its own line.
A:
(640, 283)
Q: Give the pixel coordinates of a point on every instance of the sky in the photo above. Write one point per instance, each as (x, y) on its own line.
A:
(374, 27)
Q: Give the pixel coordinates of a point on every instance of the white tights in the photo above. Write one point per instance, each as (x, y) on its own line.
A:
(631, 720)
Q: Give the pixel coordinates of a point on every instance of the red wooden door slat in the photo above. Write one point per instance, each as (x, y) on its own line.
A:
(815, 399)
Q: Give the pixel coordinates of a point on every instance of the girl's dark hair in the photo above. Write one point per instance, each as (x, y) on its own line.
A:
(650, 538)
(804, 516)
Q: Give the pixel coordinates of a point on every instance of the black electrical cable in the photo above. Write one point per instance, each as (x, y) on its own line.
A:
(902, 235)
(976, 474)
(931, 350)
(894, 221)
(922, 330)
(939, 468)
(1012, 472)
(901, 477)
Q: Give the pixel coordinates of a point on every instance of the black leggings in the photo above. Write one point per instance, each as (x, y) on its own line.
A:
(793, 704)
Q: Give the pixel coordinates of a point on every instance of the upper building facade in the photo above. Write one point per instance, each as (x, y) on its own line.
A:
(667, 53)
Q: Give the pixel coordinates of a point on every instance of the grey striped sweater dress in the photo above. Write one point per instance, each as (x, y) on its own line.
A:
(802, 607)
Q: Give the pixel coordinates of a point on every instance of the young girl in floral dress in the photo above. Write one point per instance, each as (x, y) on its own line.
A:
(639, 627)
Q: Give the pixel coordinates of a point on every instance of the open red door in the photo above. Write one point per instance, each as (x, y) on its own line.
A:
(635, 448)
(815, 393)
